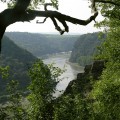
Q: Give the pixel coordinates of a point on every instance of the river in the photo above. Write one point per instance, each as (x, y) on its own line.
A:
(68, 75)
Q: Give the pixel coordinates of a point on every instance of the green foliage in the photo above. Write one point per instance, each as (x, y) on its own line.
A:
(41, 76)
(34, 3)
(110, 49)
(3, 114)
(84, 60)
(106, 94)
(85, 48)
(71, 107)
(55, 3)
(13, 109)
(18, 61)
(40, 100)
(43, 84)
(4, 72)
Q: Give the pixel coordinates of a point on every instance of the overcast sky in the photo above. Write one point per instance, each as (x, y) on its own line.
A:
(75, 8)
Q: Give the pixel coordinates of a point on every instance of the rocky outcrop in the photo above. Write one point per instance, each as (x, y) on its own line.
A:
(83, 81)
(97, 68)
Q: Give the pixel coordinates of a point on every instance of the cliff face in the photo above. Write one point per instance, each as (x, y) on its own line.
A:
(84, 49)
(83, 83)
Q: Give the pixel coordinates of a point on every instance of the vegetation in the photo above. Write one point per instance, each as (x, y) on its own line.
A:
(85, 48)
(18, 60)
(43, 44)
(107, 91)
(40, 98)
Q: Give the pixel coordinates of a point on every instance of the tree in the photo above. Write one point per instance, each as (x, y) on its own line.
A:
(44, 79)
(24, 10)
(72, 107)
(40, 99)
(106, 92)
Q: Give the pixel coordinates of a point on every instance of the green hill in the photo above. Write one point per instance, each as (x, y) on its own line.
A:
(18, 59)
(84, 49)
(43, 44)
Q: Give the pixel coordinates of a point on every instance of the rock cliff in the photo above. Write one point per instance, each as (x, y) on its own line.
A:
(83, 82)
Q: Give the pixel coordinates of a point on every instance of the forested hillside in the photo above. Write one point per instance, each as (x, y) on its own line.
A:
(85, 48)
(18, 60)
(42, 44)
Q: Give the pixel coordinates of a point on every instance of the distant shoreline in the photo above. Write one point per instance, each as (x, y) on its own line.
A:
(76, 65)
(60, 54)
(65, 55)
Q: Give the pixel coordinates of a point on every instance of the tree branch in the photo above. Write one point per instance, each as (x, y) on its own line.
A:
(56, 25)
(93, 7)
(59, 16)
(38, 22)
(2, 31)
(9, 16)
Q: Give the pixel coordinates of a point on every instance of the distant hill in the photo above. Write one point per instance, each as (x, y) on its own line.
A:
(84, 49)
(43, 44)
(19, 61)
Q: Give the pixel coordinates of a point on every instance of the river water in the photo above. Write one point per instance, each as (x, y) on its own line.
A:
(70, 73)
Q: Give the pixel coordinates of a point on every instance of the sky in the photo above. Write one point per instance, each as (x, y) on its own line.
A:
(74, 8)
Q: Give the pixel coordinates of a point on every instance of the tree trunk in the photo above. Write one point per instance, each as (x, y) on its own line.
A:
(2, 31)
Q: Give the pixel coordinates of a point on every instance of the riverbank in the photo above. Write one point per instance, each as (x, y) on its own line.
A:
(72, 69)
(76, 66)
(65, 55)
(61, 54)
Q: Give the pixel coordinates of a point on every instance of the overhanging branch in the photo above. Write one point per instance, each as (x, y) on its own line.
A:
(10, 16)
(61, 16)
